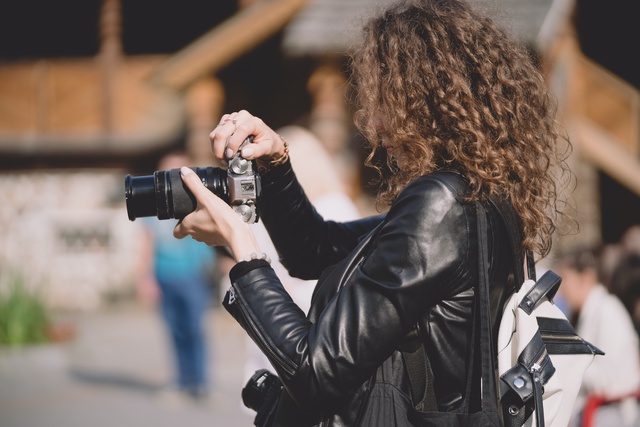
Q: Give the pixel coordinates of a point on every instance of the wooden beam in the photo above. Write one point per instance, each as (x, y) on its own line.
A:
(226, 42)
(610, 102)
(601, 149)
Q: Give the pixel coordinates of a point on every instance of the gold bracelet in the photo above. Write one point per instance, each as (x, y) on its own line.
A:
(279, 161)
(264, 166)
(282, 159)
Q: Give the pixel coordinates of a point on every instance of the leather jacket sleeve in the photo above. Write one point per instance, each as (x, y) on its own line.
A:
(305, 242)
(417, 257)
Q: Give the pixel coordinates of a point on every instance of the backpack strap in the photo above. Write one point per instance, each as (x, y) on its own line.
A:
(487, 356)
(547, 286)
(415, 357)
(420, 374)
(482, 361)
(512, 225)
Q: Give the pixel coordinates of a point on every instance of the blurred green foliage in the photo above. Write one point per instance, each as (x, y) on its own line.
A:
(23, 314)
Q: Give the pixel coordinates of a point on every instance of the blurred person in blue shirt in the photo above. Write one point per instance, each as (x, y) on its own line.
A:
(177, 275)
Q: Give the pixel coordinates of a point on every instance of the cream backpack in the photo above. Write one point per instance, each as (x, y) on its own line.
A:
(541, 358)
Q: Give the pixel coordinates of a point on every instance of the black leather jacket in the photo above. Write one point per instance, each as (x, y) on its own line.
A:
(378, 278)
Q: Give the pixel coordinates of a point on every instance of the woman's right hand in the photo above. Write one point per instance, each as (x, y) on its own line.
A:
(213, 222)
(234, 128)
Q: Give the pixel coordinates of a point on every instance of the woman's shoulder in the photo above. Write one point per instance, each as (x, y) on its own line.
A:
(439, 184)
(429, 223)
(432, 198)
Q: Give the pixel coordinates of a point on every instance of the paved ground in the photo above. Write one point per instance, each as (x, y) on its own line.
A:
(113, 372)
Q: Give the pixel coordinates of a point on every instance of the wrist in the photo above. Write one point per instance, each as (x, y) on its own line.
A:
(256, 256)
(266, 164)
(243, 243)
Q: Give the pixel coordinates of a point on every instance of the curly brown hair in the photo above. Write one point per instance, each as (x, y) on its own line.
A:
(456, 93)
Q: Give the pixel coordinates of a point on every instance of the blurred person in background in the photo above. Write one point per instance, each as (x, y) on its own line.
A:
(631, 240)
(326, 191)
(614, 254)
(177, 275)
(600, 318)
(625, 273)
(625, 284)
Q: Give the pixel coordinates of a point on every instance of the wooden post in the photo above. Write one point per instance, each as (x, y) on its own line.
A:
(109, 57)
(205, 99)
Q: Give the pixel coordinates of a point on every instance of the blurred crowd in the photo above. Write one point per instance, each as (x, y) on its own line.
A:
(600, 294)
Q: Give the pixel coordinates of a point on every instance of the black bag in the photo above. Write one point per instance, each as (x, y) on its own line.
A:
(262, 394)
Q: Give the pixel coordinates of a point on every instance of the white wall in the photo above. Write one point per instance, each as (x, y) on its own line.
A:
(68, 234)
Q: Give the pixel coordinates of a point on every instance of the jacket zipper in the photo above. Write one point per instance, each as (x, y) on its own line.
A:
(232, 295)
(325, 421)
(560, 337)
(289, 367)
(537, 365)
(285, 364)
(538, 387)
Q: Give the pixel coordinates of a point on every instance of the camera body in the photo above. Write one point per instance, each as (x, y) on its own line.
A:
(166, 196)
(243, 187)
(262, 394)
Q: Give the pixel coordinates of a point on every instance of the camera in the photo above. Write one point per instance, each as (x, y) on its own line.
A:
(262, 388)
(166, 196)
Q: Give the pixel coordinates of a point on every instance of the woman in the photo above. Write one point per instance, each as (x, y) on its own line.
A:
(463, 116)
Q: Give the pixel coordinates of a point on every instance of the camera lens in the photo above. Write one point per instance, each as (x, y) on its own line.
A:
(140, 196)
(165, 195)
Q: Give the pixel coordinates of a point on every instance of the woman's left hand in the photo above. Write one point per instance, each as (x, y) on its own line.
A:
(234, 128)
(214, 222)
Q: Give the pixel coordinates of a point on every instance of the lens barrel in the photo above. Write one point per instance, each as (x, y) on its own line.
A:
(166, 196)
(140, 196)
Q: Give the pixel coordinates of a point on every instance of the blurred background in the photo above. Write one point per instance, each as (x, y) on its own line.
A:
(92, 90)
